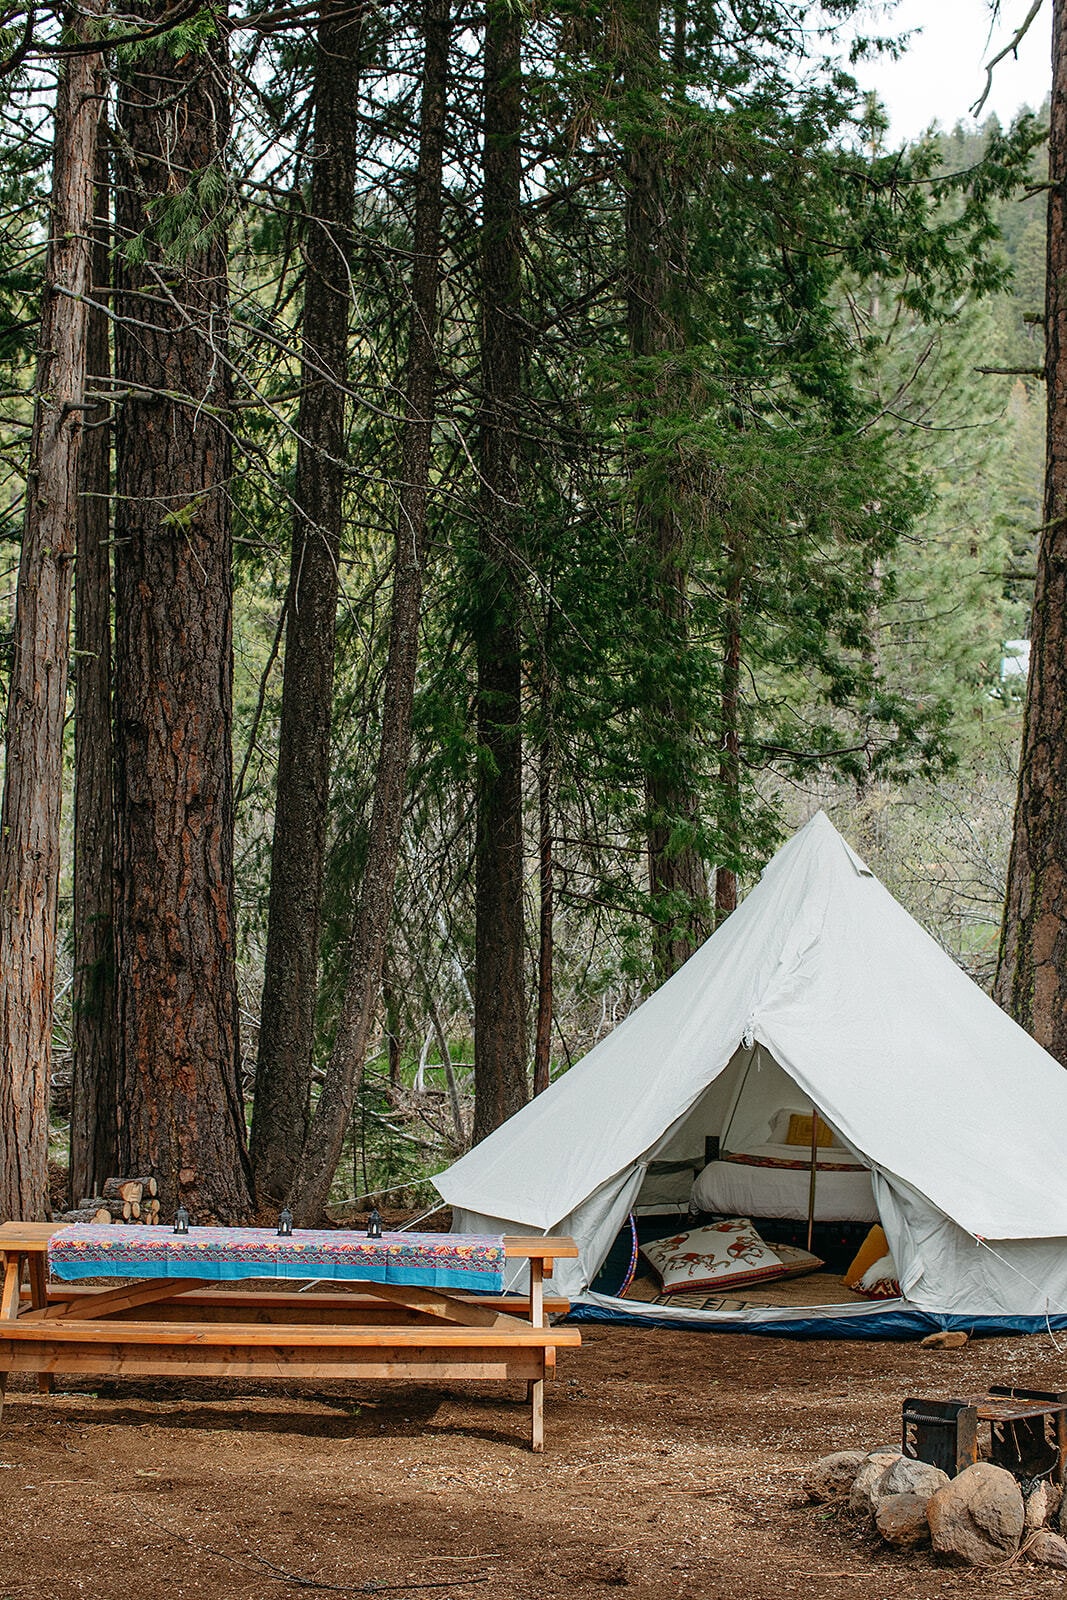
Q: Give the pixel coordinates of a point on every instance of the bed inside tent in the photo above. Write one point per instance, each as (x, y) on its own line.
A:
(755, 1147)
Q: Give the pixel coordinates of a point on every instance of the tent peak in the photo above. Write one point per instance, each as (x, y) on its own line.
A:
(819, 825)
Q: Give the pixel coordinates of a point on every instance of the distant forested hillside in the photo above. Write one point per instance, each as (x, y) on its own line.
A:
(964, 583)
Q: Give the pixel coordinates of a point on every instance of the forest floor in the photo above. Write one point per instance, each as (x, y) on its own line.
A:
(673, 1468)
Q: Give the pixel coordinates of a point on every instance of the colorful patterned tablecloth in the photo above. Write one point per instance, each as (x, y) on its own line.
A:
(429, 1260)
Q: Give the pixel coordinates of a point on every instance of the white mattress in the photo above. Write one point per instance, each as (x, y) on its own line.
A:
(733, 1188)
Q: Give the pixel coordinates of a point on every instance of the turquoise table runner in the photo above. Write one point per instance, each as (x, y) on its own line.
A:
(428, 1260)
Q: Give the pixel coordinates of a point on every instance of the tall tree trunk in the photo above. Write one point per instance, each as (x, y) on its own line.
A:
(33, 774)
(546, 776)
(730, 750)
(500, 1083)
(1031, 980)
(94, 1093)
(180, 1109)
(282, 1103)
(392, 1028)
(344, 1072)
(677, 878)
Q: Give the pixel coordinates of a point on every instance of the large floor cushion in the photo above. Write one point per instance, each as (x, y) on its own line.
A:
(719, 1255)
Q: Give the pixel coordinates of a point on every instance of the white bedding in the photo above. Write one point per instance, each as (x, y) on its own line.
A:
(736, 1189)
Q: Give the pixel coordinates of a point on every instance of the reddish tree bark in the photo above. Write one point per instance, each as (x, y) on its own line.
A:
(281, 1107)
(180, 1110)
(344, 1072)
(33, 775)
(94, 1092)
(1031, 981)
(500, 1083)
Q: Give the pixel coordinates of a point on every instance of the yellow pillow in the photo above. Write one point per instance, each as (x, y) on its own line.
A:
(800, 1132)
(873, 1248)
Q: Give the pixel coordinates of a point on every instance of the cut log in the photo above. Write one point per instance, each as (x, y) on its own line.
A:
(85, 1214)
(116, 1210)
(123, 1189)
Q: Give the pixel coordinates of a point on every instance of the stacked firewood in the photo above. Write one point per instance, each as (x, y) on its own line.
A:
(120, 1200)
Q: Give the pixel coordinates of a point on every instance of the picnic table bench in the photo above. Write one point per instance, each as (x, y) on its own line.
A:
(194, 1326)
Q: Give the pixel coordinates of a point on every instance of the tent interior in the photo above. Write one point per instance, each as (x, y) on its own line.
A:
(753, 1145)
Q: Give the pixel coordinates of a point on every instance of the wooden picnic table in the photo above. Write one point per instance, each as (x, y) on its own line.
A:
(195, 1327)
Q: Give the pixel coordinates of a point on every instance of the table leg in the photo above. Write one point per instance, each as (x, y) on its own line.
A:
(9, 1294)
(39, 1302)
(535, 1389)
(9, 1302)
(537, 1415)
(537, 1293)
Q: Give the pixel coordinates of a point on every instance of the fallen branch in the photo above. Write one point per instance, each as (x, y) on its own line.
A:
(298, 1580)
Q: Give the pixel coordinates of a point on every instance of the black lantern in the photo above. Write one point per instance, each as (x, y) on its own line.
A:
(374, 1225)
(285, 1223)
(181, 1220)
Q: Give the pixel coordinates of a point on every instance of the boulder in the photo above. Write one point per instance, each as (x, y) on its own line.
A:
(954, 1340)
(977, 1518)
(866, 1486)
(913, 1477)
(1048, 1548)
(832, 1475)
(1042, 1503)
(901, 1520)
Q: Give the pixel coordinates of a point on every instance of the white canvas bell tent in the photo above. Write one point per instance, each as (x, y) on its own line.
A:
(821, 978)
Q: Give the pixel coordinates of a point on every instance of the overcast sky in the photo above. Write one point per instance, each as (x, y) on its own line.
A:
(941, 76)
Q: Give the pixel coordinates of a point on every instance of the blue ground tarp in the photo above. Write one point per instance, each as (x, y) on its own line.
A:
(895, 1320)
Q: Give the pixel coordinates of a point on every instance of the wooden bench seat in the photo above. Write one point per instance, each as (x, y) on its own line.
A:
(113, 1347)
(178, 1333)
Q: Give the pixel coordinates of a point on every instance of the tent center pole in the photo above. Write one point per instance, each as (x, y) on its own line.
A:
(811, 1181)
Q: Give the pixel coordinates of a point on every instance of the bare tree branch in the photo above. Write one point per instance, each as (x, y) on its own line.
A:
(1009, 50)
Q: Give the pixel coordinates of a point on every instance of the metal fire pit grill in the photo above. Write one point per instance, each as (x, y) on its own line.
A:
(1027, 1431)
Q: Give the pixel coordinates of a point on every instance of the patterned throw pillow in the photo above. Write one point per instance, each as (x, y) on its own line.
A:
(720, 1255)
(797, 1263)
(879, 1282)
(799, 1132)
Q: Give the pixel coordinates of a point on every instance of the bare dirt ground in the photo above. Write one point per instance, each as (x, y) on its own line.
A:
(673, 1467)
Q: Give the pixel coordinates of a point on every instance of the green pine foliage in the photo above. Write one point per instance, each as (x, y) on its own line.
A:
(845, 486)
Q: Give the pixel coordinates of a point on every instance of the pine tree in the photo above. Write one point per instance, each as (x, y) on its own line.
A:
(33, 773)
(282, 1109)
(1031, 979)
(180, 1106)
